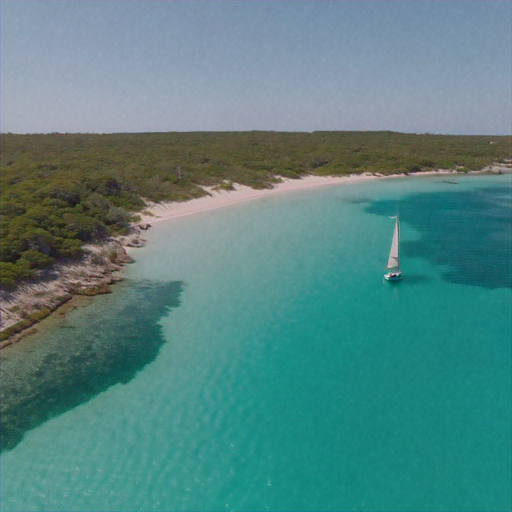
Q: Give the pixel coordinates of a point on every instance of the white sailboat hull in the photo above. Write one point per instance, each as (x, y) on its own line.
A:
(393, 276)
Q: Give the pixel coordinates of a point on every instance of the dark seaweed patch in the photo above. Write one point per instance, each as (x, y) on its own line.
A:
(468, 231)
(110, 342)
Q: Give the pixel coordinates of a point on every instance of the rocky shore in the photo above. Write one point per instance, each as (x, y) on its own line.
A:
(91, 275)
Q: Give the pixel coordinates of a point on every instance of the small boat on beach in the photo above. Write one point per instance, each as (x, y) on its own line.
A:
(393, 266)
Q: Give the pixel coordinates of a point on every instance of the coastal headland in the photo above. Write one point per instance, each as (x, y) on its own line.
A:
(100, 266)
(75, 206)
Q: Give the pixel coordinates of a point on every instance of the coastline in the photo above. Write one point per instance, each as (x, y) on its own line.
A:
(219, 197)
(32, 302)
(95, 273)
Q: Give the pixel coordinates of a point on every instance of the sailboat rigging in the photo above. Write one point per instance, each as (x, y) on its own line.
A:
(394, 274)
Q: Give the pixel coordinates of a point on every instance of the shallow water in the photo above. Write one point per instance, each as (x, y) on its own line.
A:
(255, 361)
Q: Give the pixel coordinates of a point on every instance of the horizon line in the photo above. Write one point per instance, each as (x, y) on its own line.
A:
(261, 131)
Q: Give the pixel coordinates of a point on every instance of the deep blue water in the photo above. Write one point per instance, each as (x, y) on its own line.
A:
(255, 360)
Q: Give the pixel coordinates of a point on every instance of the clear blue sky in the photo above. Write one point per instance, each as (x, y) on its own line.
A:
(138, 66)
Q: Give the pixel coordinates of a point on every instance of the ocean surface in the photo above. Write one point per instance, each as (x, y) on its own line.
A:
(254, 359)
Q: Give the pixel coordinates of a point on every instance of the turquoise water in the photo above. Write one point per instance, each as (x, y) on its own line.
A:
(255, 360)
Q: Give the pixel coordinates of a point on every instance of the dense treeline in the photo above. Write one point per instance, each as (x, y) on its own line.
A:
(61, 190)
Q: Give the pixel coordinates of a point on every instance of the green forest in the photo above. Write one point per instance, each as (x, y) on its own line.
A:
(59, 191)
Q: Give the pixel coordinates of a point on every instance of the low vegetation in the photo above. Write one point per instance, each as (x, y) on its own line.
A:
(60, 191)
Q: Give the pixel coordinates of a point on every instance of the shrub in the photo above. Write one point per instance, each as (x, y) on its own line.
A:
(11, 273)
(69, 196)
(69, 248)
(11, 248)
(84, 227)
(117, 215)
(8, 274)
(37, 259)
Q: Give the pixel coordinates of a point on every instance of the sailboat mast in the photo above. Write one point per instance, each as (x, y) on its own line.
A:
(398, 233)
(393, 260)
(398, 236)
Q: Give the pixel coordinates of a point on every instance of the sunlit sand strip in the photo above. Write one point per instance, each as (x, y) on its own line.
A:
(222, 198)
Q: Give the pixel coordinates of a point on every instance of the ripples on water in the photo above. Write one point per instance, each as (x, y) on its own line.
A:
(293, 379)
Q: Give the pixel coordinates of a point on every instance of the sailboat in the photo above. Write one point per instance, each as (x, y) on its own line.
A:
(394, 274)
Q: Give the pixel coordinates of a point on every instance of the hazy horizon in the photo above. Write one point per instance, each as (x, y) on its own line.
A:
(168, 66)
(247, 131)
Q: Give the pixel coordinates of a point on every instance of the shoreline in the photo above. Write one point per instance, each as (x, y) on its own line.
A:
(220, 198)
(37, 300)
(32, 302)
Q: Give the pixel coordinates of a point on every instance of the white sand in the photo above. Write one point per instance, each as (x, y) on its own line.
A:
(222, 198)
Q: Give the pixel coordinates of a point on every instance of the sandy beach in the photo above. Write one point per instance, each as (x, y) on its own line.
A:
(220, 198)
